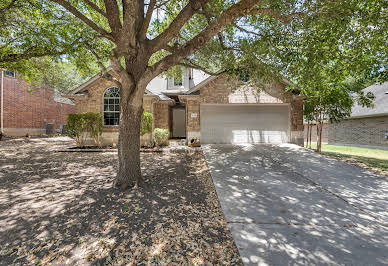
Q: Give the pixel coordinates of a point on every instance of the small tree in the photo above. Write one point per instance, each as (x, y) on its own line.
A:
(308, 113)
(333, 102)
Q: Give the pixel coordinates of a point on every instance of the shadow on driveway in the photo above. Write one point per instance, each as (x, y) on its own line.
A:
(288, 205)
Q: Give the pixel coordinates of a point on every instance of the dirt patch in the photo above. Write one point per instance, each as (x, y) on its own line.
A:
(60, 208)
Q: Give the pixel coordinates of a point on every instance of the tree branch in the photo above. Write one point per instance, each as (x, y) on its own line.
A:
(9, 6)
(242, 8)
(8, 58)
(248, 31)
(175, 26)
(147, 20)
(95, 7)
(113, 15)
(286, 19)
(203, 69)
(83, 18)
(29, 53)
(222, 44)
(132, 20)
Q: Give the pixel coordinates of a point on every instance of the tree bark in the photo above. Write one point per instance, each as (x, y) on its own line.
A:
(319, 137)
(307, 135)
(129, 172)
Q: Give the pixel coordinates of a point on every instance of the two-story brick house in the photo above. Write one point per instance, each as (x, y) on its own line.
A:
(24, 112)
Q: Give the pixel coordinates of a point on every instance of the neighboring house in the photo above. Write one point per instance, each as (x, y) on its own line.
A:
(24, 112)
(203, 108)
(366, 126)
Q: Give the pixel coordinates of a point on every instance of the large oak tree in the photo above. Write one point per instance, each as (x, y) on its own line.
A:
(143, 39)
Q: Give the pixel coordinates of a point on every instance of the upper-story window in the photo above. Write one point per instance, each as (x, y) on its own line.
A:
(178, 81)
(111, 107)
(10, 73)
(181, 81)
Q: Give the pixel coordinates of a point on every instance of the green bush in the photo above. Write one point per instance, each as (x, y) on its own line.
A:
(80, 125)
(161, 136)
(94, 126)
(75, 127)
(146, 123)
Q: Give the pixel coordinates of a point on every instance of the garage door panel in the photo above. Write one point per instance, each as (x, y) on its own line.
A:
(244, 124)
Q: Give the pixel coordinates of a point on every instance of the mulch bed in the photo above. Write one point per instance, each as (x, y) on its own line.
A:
(60, 208)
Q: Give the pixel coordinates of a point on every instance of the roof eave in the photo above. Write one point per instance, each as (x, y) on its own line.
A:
(370, 115)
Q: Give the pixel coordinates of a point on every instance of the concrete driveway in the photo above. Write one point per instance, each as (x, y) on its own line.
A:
(286, 205)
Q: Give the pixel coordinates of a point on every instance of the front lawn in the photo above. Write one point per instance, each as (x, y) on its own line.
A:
(60, 209)
(373, 159)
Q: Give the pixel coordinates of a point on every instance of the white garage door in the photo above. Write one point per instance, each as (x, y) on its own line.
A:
(244, 123)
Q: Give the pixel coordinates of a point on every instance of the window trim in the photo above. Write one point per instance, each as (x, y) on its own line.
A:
(181, 84)
(103, 107)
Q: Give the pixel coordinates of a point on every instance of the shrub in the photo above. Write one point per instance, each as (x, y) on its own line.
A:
(94, 126)
(146, 123)
(161, 136)
(79, 125)
(75, 127)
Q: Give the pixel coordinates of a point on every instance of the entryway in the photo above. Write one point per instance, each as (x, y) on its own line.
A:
(179, 122)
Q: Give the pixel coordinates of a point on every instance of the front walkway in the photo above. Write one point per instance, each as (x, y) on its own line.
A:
(288, 205)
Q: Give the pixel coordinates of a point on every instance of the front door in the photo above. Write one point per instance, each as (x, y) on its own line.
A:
(179, 122)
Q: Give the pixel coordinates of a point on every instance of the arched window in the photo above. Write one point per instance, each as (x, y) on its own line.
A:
(111, 107)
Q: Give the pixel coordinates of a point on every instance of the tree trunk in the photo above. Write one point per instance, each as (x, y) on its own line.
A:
(319, 137)
(311, 134)
(129, 173)
(307, 134)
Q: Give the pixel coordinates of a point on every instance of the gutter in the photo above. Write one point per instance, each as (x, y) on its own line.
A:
(2, 102)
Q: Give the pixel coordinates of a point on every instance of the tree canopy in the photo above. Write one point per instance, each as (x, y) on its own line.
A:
(288, 39)
(310, 44)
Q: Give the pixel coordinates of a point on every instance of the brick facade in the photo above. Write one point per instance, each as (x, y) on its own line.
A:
(220, 91)
(325, 132)
(369, 131)
(92, 101)
(193, 127)
(29, 112)
(161, 115)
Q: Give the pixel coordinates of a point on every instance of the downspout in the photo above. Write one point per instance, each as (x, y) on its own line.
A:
(2, 102)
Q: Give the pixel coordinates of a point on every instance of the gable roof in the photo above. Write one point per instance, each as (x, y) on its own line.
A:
(148, 91)
(157, 86)
(380, 91)
(201, 84)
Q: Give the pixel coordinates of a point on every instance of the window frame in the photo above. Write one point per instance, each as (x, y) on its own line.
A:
(9, 73)
(180, 84)
(103, 106)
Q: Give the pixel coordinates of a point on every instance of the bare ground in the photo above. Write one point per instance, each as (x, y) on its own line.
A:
(60, 208)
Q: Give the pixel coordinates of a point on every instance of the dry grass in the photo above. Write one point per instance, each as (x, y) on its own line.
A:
(60, 208)
(372, 159)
